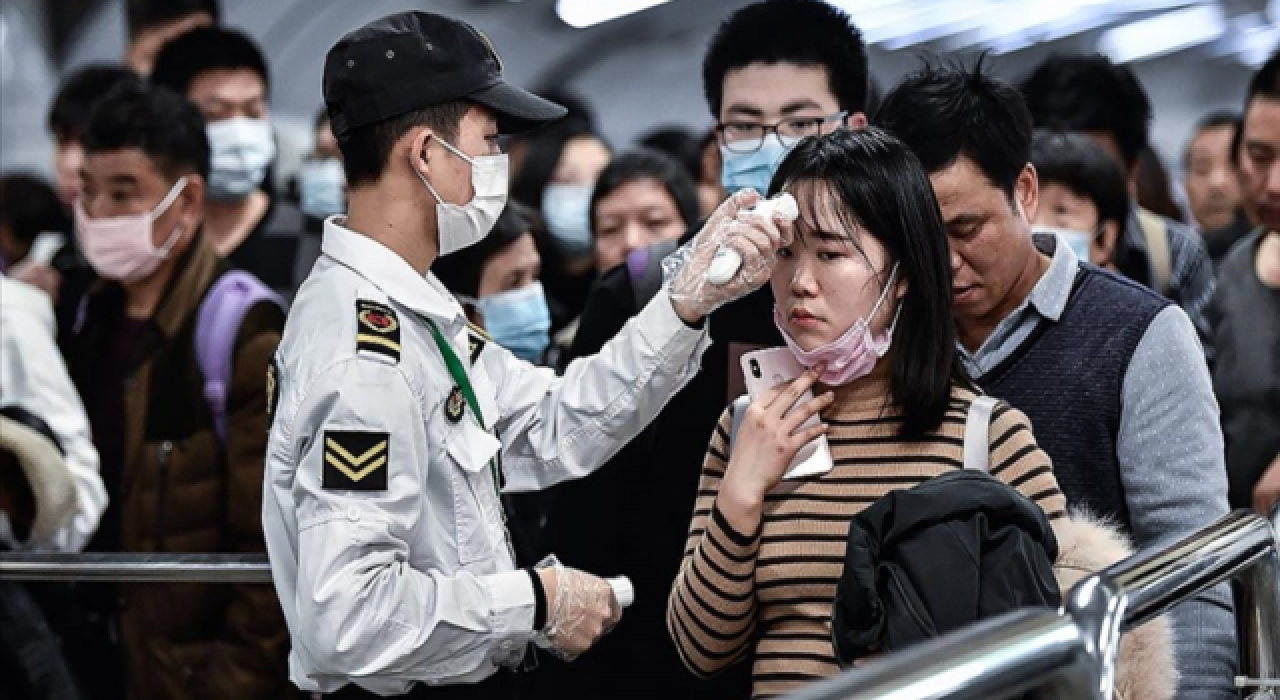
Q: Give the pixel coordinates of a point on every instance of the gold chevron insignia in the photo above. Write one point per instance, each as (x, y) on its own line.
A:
(356, 460)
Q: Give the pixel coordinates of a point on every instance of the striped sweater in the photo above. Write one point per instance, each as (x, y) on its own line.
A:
(770, 592)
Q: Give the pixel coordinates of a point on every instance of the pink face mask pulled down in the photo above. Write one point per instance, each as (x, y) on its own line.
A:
(119, 247)
(854, 354)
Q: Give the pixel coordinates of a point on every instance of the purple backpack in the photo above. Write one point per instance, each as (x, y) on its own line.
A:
(217, 325)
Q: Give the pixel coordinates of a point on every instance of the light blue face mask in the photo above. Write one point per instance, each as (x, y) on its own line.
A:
(566, 211)
(754, 170)
(518, 320)
(1079, 241)
(240, 151)
(322, 188)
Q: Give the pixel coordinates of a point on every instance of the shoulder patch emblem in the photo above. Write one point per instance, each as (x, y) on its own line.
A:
(455, 405)
(478, 331)
(475, 346)
(378, 330)
(356, 460)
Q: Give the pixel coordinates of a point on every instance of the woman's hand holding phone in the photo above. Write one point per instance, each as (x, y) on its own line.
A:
(771, 433)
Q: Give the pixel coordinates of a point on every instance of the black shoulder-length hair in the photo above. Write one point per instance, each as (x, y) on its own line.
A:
(886, 194)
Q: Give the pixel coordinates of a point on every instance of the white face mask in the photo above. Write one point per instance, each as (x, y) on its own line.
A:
(459, 226)
(119, 247)
(240, 150)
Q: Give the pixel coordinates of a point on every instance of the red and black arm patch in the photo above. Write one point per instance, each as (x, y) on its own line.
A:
(378, 329)
(356, 460)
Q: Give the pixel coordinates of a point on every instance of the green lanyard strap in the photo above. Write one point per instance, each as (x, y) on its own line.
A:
(459, 374)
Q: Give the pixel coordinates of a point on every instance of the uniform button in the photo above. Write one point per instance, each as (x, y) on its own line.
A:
(353, 515)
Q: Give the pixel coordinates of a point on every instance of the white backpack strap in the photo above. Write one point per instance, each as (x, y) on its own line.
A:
(977, 444)
(737, 412)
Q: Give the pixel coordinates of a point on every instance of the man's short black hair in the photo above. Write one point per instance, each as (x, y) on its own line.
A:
(141, 15)
(1091, 94)
(78, 94)
(945, 112)
(200, 51)
(1078, 163)
(800, 32)
(1266, 84)
(29, 207)
(679, 143)
(366, 149)
(167, 127)
(1214, 120)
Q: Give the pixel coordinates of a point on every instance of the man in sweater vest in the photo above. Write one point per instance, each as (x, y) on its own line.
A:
(1094, 96)
(1110, 373)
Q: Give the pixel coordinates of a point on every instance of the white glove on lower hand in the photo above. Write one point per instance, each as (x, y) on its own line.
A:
(581, 610)
(755, 238)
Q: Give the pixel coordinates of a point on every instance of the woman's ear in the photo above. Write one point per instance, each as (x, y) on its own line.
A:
(902, 286)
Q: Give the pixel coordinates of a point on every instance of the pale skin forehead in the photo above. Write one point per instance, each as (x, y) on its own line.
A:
(772, 91)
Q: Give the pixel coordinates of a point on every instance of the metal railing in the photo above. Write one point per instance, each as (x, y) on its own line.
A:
(136, 567)
(1065, 654)
(1072, 653)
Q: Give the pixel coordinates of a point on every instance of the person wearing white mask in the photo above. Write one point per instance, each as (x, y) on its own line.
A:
(497, 282)
(181, 443)
(1083, 196)
(225, 74)
(397, 426)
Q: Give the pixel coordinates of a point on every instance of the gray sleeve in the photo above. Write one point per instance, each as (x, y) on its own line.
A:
(1171, 464)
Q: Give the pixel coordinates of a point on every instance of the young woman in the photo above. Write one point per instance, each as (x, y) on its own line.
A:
(863, 298)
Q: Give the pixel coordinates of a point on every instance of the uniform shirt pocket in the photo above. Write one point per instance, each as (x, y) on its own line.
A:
(477, 508)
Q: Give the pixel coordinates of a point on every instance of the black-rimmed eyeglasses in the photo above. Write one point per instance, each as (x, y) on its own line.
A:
(748, 137)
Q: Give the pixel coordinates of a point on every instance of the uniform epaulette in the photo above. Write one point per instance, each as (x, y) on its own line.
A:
(377, 330)
(476, 338)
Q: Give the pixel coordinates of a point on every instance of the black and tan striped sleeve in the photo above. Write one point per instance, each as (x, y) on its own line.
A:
(712, 609)
(1017, 460)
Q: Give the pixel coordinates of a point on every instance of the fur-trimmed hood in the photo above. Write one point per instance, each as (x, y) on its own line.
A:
(1145, 668)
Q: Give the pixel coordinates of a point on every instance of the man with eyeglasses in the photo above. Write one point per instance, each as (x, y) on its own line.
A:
(774, 73)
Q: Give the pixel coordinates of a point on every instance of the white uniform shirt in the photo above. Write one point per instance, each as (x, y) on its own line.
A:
(33, 377)
(383, 522)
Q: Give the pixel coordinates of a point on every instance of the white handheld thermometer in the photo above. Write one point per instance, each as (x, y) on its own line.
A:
(727, 260)
(622, 591)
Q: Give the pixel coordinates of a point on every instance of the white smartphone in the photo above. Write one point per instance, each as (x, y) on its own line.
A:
(763, 370)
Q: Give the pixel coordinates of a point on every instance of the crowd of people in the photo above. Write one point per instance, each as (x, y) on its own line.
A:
(196, 359)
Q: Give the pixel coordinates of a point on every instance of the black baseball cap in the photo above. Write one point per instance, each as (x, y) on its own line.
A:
(411, 60)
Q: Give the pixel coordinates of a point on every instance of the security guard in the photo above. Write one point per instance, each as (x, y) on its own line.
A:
(395, 425)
